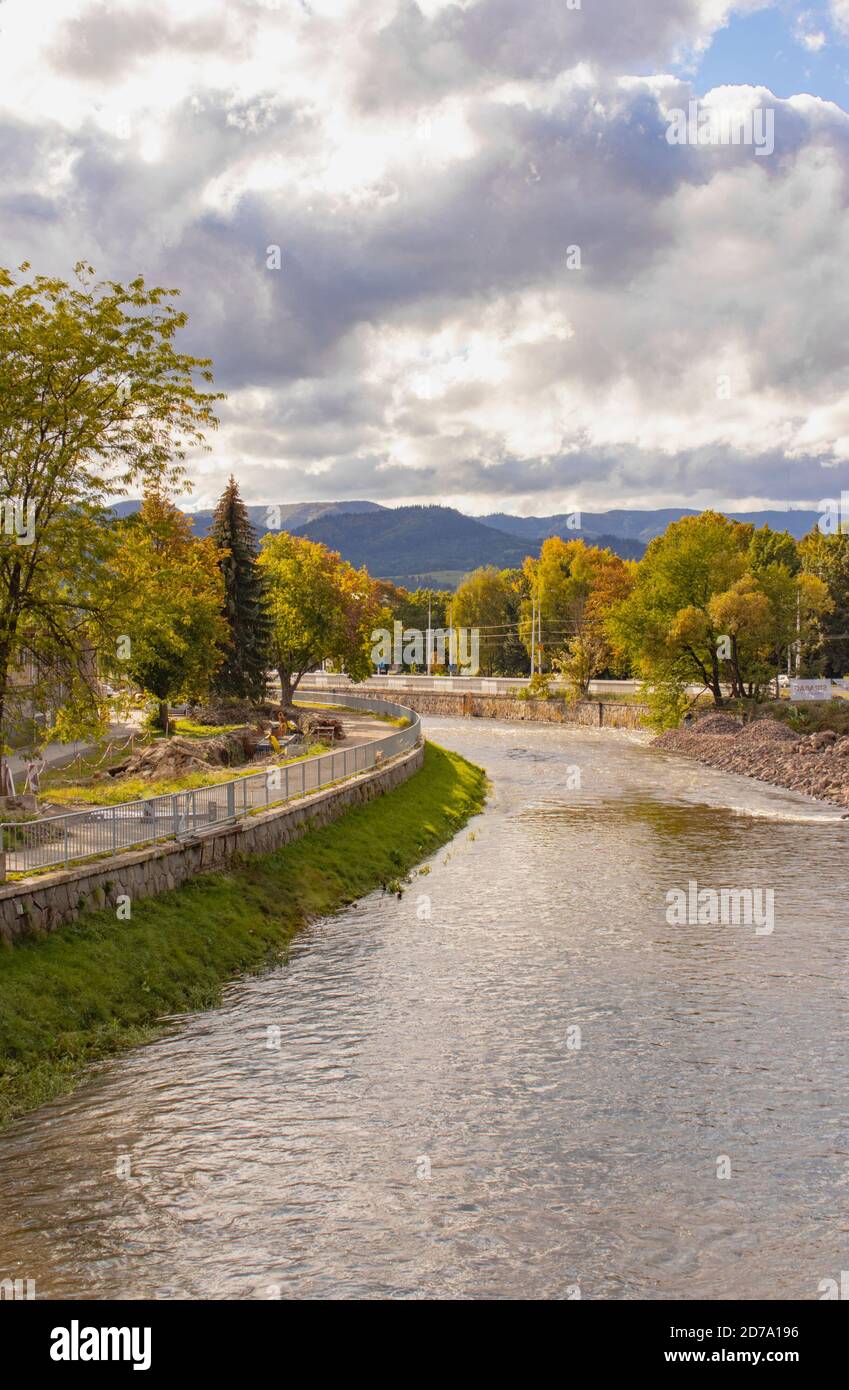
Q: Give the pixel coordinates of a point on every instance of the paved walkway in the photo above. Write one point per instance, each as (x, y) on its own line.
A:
(56, 754)
(95, 830)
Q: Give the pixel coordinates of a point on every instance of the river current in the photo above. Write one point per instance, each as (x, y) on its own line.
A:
(518, 1080)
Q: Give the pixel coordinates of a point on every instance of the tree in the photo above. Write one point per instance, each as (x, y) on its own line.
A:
(485, 600)
(666, 627)
(93, 397)
(415, 610)
(798, 604)
(742, 616)
(827, 558)
(575, 585)
(167, 586)
(768, 548)
(321, 608)
(242, 672)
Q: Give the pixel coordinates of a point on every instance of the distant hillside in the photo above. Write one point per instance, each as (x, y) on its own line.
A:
(640, 526)
(417, 541)
(291, 514)
(437, 546)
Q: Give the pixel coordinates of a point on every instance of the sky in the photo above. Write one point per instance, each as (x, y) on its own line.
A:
(501, 285)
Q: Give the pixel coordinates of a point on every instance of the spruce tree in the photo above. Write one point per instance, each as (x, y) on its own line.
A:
(242, 674)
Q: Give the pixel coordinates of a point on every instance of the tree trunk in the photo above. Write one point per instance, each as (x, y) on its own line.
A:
(163, 718)
(287, 689)
(715, 685)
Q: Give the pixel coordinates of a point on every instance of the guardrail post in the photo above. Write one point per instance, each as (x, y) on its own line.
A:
(175, 805)
(231, 801)
(65, 828)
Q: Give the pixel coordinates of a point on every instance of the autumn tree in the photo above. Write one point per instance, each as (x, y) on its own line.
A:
(574, 586)
(165, 585)
(321, 609)
(242, 672)
(94, 397)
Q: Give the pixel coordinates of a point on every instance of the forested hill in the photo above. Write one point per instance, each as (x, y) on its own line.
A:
(410, 545)
(417, 541)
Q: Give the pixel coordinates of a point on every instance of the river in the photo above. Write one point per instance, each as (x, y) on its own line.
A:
(517, 1080)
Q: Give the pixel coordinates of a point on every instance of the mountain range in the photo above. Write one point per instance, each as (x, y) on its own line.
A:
(437, 546)
(637, 525)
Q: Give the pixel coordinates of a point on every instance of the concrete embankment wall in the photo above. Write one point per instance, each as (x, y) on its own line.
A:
(593, 714)
(43, 903)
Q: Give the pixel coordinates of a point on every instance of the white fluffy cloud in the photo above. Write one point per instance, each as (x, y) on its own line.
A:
(425, 170)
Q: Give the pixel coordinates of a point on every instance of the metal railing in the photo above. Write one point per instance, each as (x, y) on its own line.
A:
(62, 840)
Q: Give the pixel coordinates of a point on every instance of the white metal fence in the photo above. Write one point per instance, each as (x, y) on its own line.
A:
(62, 840)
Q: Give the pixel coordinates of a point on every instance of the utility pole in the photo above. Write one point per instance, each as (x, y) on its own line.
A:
(533, 632)
(429, 600)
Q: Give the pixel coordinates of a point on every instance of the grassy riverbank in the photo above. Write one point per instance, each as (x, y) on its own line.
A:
(92, 989)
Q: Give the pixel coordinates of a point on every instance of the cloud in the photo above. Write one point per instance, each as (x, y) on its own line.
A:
(105, 40)
(425, 172)
(839, 10)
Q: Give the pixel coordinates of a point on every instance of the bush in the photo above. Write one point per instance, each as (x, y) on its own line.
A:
(538, 688)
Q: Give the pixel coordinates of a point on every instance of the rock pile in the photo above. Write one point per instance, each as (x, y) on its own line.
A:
(816, 764)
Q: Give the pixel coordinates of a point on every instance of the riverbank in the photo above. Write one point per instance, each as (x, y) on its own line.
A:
(99, 986)
(768, 751)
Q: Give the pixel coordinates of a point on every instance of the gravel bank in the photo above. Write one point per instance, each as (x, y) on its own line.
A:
(816, 764)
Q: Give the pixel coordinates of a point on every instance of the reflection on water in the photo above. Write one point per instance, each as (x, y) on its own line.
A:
(401, 1109)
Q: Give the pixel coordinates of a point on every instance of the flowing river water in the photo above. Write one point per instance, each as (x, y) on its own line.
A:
(403, 1110)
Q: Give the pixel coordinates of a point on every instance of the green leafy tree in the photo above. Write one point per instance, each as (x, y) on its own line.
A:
(166, 585)
(321, 608)
(413, 608)
(827, 558)
(94, 396)
(485, 600)
(665, 627)
(242, 673)
(768, 548)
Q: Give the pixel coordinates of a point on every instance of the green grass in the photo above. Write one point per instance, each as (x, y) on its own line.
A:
(94, 988)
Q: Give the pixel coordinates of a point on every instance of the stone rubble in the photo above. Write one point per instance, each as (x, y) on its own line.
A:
(768, 751)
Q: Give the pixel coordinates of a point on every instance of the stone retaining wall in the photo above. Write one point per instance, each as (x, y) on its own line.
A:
(594, 714)
(40, 904)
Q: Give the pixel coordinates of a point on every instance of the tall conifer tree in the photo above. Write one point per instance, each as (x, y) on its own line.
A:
(242, 673)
